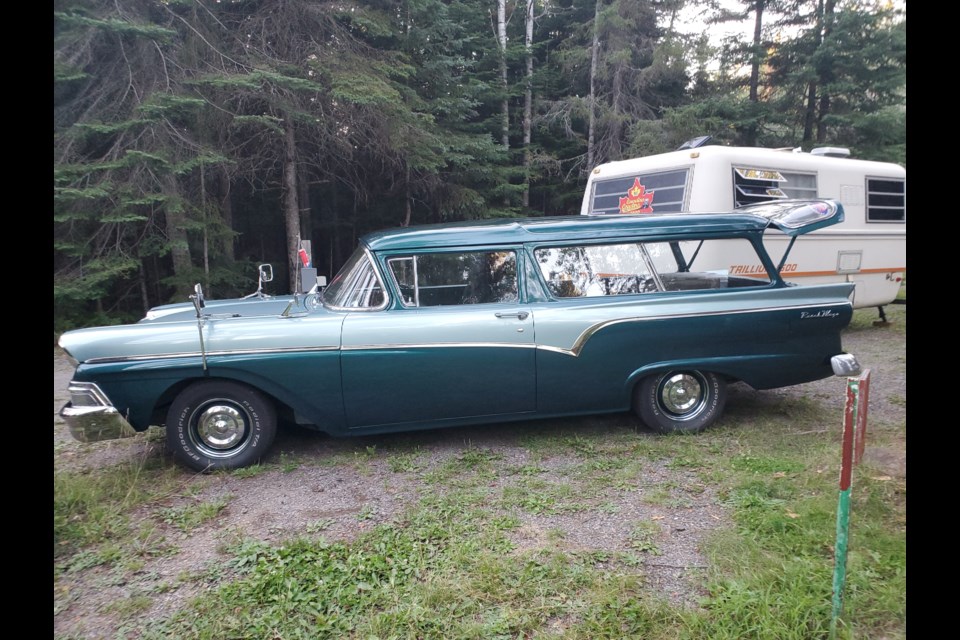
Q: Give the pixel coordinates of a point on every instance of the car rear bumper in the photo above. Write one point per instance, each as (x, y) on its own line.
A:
(845, 364)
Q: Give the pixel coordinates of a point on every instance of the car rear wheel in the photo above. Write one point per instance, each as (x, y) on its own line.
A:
(680, 401)
(219, 424)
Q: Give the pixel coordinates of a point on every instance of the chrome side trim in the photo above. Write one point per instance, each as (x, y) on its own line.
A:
(432, 345)
(582, 339)
(78, 390)
(196, 354)
(574, 350)
(560, 350)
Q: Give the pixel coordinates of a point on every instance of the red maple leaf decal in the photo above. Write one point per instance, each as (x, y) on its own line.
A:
(638, 199)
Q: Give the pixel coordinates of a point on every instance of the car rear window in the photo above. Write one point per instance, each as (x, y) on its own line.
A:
(645, 267)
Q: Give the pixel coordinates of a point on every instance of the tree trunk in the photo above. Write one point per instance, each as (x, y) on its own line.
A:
(408, 205)
(751, 133)
(144, 298)
(226, 206)
(505, 106)
(502, 42)
(335, 261)
(594, 54)
(208, 290)
(826, 73)
(291, 208)
(614, 132)
(305, 207)
(755, 58)
(406, 199)
(177, 237)
(528, 106)
(810, 110)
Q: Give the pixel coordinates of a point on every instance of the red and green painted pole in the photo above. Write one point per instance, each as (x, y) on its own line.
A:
(854, 439)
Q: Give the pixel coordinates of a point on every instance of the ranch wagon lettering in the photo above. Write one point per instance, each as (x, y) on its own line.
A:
(823, 313)
(475, 323)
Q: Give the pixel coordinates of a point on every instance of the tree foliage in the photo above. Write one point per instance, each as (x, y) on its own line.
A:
(193, 139)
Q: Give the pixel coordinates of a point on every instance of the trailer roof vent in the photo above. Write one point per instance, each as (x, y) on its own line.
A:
(831, 152)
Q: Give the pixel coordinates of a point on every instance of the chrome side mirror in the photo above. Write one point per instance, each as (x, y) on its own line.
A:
(266, 272)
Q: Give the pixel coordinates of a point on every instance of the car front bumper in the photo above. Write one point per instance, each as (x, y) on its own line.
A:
(91, 417)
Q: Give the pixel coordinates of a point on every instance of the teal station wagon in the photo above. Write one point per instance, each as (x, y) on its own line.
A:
(474, 323)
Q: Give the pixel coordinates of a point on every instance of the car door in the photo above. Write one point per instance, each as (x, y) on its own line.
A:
(457, 344)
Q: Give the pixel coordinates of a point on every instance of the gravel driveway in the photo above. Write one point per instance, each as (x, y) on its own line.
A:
(348, 497)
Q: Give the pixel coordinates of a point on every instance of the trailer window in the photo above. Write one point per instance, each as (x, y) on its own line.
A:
(799, 185)
(752, 185)
(886, 200)
(660, 192)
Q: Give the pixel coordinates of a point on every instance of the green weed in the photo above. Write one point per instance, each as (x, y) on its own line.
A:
(643, 537)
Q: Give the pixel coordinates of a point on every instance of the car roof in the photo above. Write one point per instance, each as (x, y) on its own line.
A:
(559, 229)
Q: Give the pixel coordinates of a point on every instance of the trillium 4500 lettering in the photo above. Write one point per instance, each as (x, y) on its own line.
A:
(478, 322)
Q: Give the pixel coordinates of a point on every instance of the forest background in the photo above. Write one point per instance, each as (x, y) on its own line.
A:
(194, 139)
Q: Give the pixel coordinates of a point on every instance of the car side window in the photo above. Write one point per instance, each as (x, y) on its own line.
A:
(639, 267)
(600, 270)
(468, 277)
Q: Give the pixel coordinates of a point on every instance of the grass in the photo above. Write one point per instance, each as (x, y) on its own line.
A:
(643, 537)
(92, 508)
(486, 549)
(188, 517)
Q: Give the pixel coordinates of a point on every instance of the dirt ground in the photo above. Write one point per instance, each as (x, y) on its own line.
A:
(279, 504)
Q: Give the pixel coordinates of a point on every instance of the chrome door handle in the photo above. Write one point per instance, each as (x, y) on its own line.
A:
(522, 315)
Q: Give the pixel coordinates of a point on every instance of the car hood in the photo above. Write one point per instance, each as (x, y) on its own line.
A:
(179, 311)
(221, 334)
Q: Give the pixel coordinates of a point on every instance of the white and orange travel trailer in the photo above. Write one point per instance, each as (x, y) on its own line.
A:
(869, 248)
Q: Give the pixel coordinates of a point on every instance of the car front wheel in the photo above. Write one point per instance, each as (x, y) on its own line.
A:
(219, 424)
(680, 401)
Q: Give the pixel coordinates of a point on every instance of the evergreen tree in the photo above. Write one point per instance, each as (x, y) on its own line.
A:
(194, 139)
(844, 75)
(123, 157)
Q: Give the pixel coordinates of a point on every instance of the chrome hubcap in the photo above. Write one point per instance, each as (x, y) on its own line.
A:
(221, 427)
(681, 393)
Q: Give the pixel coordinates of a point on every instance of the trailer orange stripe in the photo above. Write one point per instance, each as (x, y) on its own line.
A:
(810, 274)
(803, 274)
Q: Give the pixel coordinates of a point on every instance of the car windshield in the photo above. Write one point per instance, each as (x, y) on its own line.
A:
(356, 286)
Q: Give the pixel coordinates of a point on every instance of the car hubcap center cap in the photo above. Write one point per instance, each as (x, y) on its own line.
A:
(221, 427)
(681, 393)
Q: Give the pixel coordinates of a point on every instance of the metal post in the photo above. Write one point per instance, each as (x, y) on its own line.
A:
(854, 440)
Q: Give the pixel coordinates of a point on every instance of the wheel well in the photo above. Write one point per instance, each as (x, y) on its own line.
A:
(638, 377)
(159, 415)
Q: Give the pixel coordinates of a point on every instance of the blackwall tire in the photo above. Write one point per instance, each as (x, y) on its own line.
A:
(680, 401)
(219, 424)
